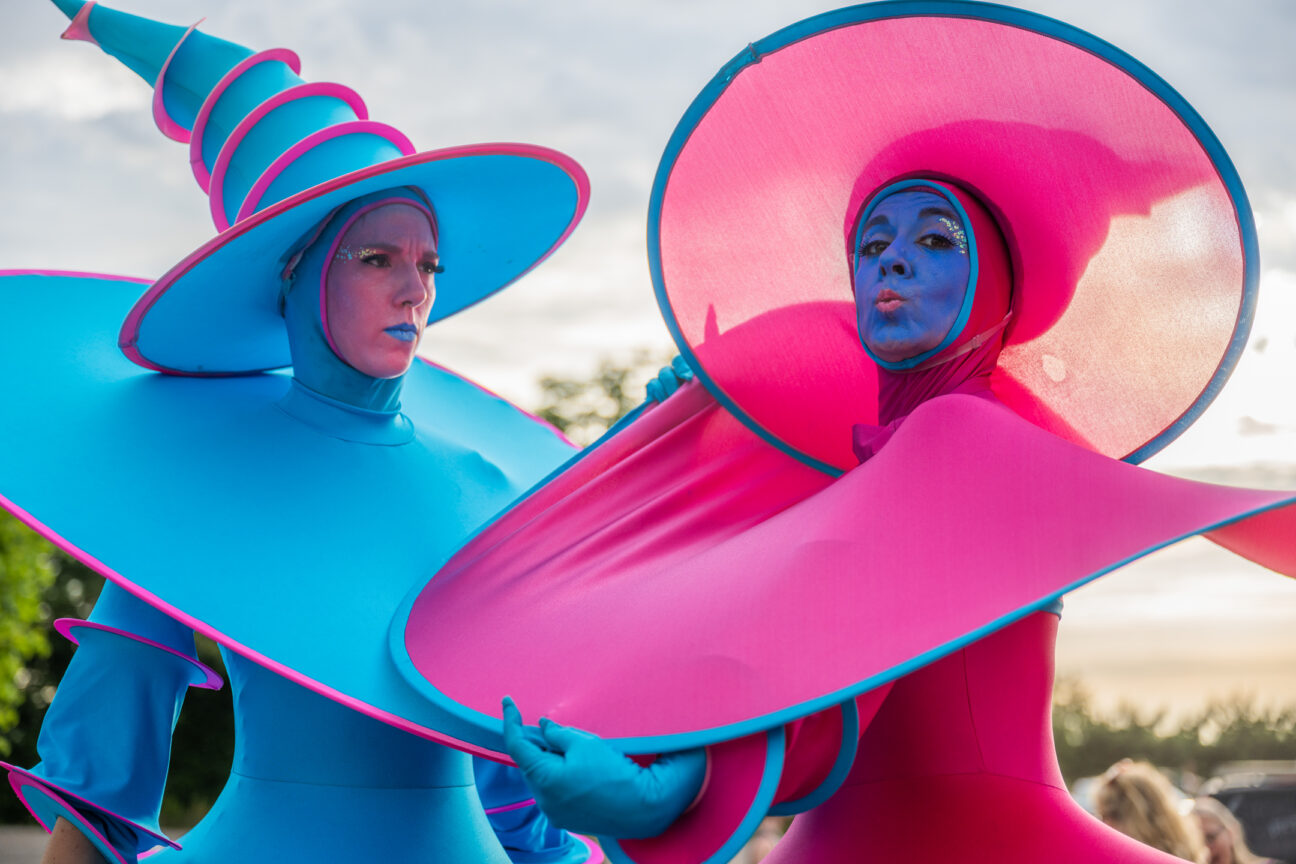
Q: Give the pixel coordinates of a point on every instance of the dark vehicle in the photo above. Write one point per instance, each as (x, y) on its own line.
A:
(1262, 795)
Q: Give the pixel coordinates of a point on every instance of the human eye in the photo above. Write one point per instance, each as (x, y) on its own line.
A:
(431, 266)
(374, 258)
(936, 240)
(873, 248)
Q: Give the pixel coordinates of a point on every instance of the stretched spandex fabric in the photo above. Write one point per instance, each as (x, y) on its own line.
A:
(958, 765)
(296, 766)
(824, 593)
(269, 472)
(847, 592)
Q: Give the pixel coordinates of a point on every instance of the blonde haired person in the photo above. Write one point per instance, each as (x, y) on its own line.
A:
(1225, 840)
(1135, 799)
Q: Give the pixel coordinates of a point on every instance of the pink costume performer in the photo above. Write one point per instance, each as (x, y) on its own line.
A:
(866, 632)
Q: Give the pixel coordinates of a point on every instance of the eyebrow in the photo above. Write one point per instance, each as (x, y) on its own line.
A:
(389, 248)
(880, 219)
(938, 211)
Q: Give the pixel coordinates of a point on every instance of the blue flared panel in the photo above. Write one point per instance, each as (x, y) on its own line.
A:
(48, 809)
(288, 545)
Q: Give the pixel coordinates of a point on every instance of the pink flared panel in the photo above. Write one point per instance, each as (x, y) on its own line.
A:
(736, 584)
(1127, 250)
(734, 775)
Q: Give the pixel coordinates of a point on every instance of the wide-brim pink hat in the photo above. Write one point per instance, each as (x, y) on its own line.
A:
(1132, 242)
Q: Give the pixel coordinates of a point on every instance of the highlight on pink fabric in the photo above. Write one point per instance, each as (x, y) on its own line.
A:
(958, 765)
(739, 605)
(1086, 190)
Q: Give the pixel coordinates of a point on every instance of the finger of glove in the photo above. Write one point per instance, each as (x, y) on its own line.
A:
(524, 752)
(563, 738)
(680, 774)
(669, 382)
(655, 393)
(681, 368)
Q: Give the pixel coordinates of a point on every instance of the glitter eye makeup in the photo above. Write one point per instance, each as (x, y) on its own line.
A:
(356, 253)
(957, 234)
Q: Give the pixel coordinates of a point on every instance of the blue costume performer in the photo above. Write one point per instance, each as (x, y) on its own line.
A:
(285, 516)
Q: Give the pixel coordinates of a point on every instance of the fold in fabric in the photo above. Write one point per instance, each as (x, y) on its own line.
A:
(673, 589)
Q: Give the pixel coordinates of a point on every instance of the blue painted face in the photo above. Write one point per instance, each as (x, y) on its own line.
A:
(911, 274)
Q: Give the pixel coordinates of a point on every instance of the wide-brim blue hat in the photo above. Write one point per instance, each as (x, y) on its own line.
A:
(277, 155)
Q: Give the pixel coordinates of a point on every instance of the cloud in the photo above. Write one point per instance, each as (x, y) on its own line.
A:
(72, 85)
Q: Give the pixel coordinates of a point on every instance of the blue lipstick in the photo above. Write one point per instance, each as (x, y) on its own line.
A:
(403, 332)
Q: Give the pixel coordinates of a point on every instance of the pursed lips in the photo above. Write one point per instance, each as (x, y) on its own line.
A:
(887, 300)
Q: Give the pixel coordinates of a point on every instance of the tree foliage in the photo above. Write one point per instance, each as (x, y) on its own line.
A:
(1231, 730)
(26, 575)
(584, 408)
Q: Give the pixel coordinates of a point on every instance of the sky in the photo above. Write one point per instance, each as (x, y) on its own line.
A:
(92, 185)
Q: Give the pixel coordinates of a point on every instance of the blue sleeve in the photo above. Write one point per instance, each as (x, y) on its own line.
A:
(106, 740)
(522, 829)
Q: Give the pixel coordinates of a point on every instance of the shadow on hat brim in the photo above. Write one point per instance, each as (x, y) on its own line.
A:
(501, 210)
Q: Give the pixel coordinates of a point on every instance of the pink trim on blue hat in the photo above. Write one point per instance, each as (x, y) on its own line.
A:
(168, 126)
(79, 28)
(283, 55)
(216, 179)
(310, 142)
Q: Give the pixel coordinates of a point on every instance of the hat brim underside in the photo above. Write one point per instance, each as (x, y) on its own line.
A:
(1133, 246)
(501, 209)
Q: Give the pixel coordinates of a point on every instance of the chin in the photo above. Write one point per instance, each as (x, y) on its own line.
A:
(387, 367)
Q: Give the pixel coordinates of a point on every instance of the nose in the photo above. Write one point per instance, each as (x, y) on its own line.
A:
(415, 287)
(892, 261)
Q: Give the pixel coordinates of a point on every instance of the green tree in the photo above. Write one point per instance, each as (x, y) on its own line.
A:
(203, 743)
(1231, 730)
(584, 408)
(26, 574)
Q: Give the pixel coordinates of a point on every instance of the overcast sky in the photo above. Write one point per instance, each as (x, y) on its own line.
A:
(92, 185)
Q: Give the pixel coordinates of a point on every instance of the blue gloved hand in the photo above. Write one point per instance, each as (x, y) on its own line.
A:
(669, 379)
(583, 784)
